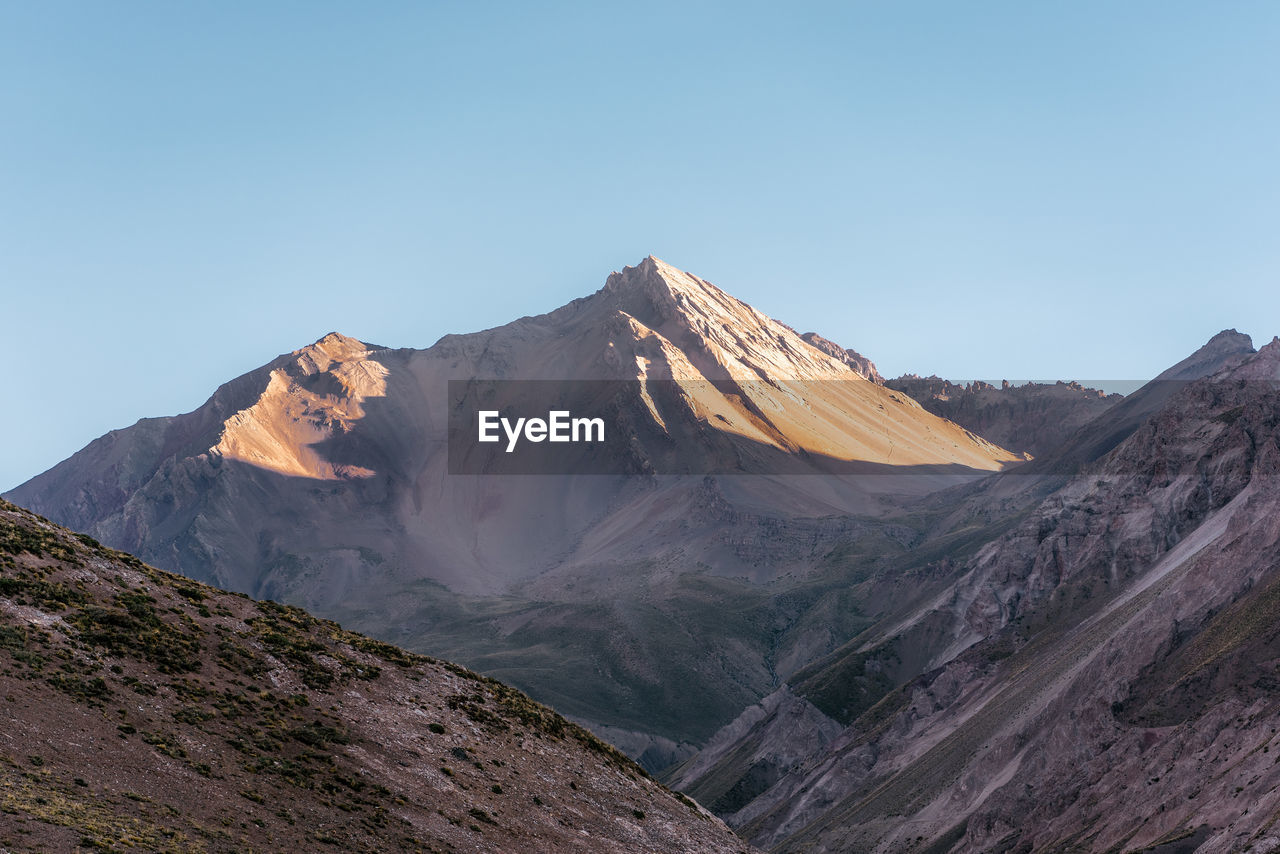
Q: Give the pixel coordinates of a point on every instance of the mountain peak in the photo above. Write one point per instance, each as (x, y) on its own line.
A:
(329, 350)
(1228, 341)
(1228, 346)
(679, 305)
(720, 334)
(336, 345)
(661, 286)
(666, 270)
(335, 338)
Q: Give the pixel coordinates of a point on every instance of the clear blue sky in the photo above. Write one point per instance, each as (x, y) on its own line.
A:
(985, 189)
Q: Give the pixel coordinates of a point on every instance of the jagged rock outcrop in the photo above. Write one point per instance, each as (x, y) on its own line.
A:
(1032, 418)
(860, 363)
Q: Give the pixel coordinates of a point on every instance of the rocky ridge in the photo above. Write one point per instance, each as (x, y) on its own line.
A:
(855, 360)
(1098, 675)
(1031, 418)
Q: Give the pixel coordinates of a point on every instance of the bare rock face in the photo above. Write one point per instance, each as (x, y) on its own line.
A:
(153, 712)
(1099, 678)
(1033, 418)
(752, 753)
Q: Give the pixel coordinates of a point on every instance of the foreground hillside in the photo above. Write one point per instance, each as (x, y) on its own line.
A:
(143, 710)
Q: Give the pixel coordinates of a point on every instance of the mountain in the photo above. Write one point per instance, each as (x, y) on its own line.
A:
(838, 620)
(1100, 677)
(323, 479)
(339, 426)
(1032, 418)
(145, 710)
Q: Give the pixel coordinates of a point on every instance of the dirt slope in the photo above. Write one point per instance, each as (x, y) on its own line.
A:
(144, 710)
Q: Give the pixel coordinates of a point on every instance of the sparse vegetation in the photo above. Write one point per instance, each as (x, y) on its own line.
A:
(218, 697)
(92, 691)
(132, 627)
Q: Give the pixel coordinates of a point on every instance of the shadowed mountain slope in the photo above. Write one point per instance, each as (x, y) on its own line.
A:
(1106, 657)
(1099, 436)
